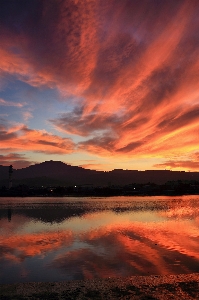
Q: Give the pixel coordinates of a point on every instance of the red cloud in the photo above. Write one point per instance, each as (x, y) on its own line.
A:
(179, 164)
(21, 138)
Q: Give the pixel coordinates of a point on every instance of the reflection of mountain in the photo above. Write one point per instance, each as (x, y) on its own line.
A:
(58, 173)
(45, 214)
(6, 213)
(55, 213)
(58, 212)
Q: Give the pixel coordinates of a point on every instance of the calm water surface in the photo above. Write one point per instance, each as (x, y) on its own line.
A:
(55, 239)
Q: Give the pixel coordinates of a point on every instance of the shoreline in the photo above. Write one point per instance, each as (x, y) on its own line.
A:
(183, 286)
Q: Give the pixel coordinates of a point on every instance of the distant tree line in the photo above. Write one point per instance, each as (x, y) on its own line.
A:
(178, 187)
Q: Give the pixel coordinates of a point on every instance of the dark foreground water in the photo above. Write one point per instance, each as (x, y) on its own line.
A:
(55, 239)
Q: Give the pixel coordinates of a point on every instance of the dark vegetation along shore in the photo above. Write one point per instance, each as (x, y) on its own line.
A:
(170, 287)
(170, 188)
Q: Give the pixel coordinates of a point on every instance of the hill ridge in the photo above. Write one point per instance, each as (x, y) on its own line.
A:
(60, 173)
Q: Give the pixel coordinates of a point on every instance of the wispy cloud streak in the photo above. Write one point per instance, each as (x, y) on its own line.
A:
(10, 103)
(21, 138)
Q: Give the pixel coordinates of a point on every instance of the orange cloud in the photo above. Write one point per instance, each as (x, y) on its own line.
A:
(179, 164)
(143, 105)
(21, 138)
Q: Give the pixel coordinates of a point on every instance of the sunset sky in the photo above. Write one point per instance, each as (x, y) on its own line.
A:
(101, 84)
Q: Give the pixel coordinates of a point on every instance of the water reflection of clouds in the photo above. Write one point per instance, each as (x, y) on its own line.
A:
(127, 251)
(136, 248)
(19, 247)
(108, 242)
(181, 212)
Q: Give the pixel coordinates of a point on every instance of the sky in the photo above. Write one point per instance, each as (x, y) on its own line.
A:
(100, 84)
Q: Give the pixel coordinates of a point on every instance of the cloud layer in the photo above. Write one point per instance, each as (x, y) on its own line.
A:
(128, 69)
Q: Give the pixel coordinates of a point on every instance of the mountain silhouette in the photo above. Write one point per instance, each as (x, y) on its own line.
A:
(55, 173)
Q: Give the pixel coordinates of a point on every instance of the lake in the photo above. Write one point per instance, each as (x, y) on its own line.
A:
(56, 239)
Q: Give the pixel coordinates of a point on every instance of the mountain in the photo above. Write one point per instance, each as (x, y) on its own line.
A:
(51, 173)
(55, 173)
